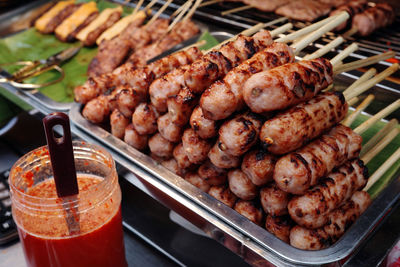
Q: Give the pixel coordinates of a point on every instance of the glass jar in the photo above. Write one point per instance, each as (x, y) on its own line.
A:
(41, 216)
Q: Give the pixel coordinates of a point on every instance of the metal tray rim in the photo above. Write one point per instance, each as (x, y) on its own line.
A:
(341, 249)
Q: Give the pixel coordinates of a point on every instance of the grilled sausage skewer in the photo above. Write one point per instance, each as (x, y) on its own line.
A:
(287, 131)
(340, 219)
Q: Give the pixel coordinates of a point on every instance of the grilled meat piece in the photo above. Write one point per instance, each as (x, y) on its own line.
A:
(304, 10)
(221, 159)
(238, 135)
(168, 129)
(212, 174)
(144, 119)
(119, 47)
(273, 200)
(250, 210)
(297, 171)
(259, 166)
(295, 127)
(105, 20)
(279, 226)
(204, 127)
(118, 123)
(311, 209)
(197, 181)
(49, 21)
(379, 16)
(353, 7)
(224, 97)
(338, 222)
(71, 26)
(132, 138)
(195, 148)
(223, 194)
(287, 85)
(241, 185)
(266, 6)
(181, 157)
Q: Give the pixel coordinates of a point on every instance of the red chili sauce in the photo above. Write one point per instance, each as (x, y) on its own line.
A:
(102, 246)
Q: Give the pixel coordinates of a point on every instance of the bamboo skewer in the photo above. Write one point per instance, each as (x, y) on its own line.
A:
(378, 116)
(210, 2)
(192, 10)
(345, 53)
(350, 32)
(371, 82)
(138, 6)
(352, 101)
(161, 10)
(380, 145)
(180, 15)
(382, 169)
(150, 5)
(365, 62)
(280, 30)
(184, 6)
(393, 123)
(234, 10)
(325, 49)
(311, 37)
(306, 30)
(350, 119)
(365, 77)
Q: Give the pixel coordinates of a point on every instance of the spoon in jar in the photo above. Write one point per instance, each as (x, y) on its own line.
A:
(63, 165)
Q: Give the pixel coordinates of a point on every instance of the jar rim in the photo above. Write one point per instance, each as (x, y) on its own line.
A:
(54, 201)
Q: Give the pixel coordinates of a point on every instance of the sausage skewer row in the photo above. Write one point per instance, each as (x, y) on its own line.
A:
(373, 18)
(312, 239)
(297, 171)
(280, 139)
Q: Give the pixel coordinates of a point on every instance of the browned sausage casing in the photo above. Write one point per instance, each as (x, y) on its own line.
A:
(297, 171)
(339, 221)
(379, 16)
(224, 97)
(274, 201)
(249, 210)
(223, 194)
(241, 185)
(297, 126)
(310, 210)
(259, 166)
(279, 226)
(287, 85)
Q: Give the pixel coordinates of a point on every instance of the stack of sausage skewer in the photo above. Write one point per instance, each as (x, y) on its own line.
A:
(159, 126)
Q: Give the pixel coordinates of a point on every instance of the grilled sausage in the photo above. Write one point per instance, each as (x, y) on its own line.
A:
(215, 64)
(274, 201)
(180, 106)
(295, 127)
(172, 165)
(195, 148)
(204, 127)
(221, 159)
(132, 138)
(160, 146)
(105, 20)
(379, 16)
(224, 97)
(144, 119)
(259, 166)
(127, 99)
(279, 226)
(250, 210)
(181, 158)
(353, 8)
(238, 135)
(212, 174)
(49, 21)
(197, 181)
(310, 210)
(297, 171)
(223, 194)
(168, 129)
(339, 221)
(118, 123)
(287, 85)
(241, 185)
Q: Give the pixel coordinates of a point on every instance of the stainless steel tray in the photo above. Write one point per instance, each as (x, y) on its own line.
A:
(250, 241)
